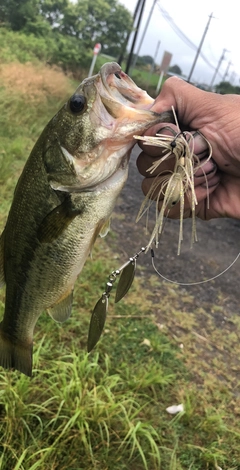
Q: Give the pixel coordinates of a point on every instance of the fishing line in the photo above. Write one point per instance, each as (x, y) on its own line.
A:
(191, 283)
(126, 274)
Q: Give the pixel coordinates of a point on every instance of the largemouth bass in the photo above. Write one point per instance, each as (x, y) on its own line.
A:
(63, 199)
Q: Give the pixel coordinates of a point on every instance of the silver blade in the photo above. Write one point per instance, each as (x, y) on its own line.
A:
(97, 322)
(126, 280)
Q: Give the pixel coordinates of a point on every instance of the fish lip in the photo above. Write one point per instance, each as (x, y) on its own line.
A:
(106, 94)
(121, 89)
(107, 69)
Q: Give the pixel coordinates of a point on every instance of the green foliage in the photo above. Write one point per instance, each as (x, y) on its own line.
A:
(104, 21)
(69, 30)
(145, 59)
(17, 46)
(67, 52)
(142, 61)
(22, 15)
(70, 53)
(53, 10)
(225, 88)
(148, 59)
(175, 69)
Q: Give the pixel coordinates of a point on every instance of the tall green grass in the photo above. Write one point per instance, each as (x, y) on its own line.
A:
(107, 410)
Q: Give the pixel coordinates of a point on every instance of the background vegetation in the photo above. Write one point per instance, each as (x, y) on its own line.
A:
(66, 32)
(107, 410)
(63, 33)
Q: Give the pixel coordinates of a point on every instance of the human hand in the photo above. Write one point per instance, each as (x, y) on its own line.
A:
(217, 117)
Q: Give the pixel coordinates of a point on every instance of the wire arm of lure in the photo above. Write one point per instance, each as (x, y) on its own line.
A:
(99, 314)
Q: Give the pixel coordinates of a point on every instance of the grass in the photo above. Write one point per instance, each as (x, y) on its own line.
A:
(107, 410)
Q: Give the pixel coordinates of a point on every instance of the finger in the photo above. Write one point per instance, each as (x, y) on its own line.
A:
(202, 192)
(186, 100)
(201, 146)
(205, 172)
(145, 162)
(196, 141)
(166, 130)
(223, 201)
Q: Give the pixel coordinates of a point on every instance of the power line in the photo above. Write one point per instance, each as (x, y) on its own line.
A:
(183, 36)
(199, 47)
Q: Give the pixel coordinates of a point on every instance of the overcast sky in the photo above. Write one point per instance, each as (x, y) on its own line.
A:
(191, 17)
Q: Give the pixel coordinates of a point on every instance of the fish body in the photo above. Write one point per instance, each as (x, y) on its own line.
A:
(63, 199)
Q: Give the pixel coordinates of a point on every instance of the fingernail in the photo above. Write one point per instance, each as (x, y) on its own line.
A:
(214, 181)
(195, 133)
(166, 128)
(206, 169)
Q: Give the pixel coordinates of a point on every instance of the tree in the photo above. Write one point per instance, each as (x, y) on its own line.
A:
(104, 21)
(225, 88)
(74, 27)
(147, 59)
(119, 24)
(53, 11)
(23, 15)
(175, 69)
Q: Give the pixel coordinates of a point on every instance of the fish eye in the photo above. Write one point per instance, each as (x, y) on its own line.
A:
(77, 103)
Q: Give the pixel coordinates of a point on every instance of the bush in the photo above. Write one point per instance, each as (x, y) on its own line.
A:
(53, 49)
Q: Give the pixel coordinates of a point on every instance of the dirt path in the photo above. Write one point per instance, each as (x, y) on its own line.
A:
(217, 246)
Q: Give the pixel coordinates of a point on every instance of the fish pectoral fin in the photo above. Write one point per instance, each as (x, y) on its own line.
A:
(54, 224)
(105, 228)
(2, 275)
(61, 311)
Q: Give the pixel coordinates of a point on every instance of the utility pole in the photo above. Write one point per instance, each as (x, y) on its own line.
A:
(217, 68)
(135, 36)
(227, 69)
(144, 32)
(199, 47)
(121, 57)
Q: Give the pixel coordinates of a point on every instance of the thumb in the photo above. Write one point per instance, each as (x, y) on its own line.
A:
(190, 103)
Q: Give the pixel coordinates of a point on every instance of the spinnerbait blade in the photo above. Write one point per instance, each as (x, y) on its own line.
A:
(97, 322)
(126, 279)
(127, 271)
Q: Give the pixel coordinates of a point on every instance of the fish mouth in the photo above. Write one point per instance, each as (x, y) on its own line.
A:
(118, 109)
(118, 90)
